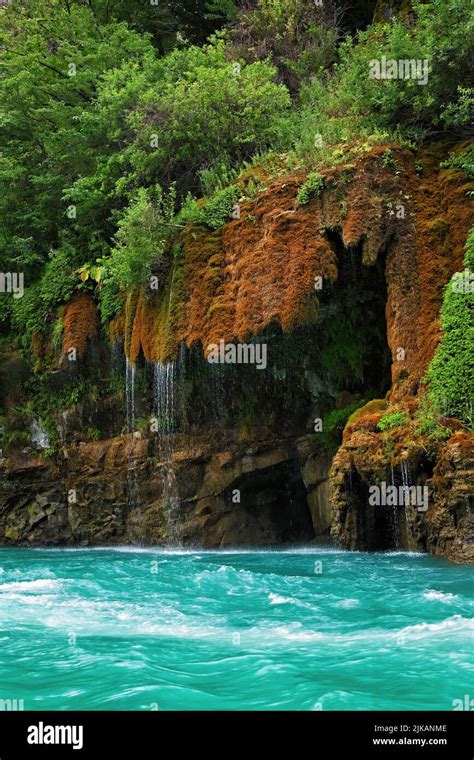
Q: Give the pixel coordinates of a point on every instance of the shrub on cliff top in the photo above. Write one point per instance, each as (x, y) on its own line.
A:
(350, 104)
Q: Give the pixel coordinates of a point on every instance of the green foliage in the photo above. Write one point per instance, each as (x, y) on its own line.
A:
(45, 398)
(451, 371)
(215, 212)
(469, 254)
(57, 334)
(217, 177)
(299, 37)
(59, 279)
(312, 188)
(388, 160)
(352, 106)
(392, 420)
(110, 299)
(334, 423)
(203, 112)
(27, 314)
(459, 112)
(45, 131)
(463, 160)
(142, 234)
(427, 420)
(92, 434)
(30, 313)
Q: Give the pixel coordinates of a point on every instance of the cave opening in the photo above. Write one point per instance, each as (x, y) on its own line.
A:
(273, 506)
(373, 526)
(353, 312)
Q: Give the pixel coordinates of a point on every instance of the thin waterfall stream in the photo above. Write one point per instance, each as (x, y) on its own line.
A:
(164, 382)
(132, 480)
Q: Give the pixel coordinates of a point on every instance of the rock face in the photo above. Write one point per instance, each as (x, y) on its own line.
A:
(346, 291)
(441, 521)
(118, 491)
(404, 456)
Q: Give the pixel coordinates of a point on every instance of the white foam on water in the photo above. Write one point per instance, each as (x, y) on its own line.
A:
(439, 596)
(42, 584)
(347, 603)
(454, 623)
(199, 553)
(294, 635)
(277, 599)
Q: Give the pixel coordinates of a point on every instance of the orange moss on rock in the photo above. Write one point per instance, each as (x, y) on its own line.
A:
(80, 323)
(259, 270)
(443, 215)
(117, 328)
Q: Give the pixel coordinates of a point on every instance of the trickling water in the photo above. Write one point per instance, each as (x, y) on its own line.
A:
(217, 381)
(130, 394)
(132, 479)
(394, 520)
(163, 402)
(164, 380)
(406, 482)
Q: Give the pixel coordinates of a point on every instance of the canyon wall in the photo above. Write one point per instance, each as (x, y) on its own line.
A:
(345, 291)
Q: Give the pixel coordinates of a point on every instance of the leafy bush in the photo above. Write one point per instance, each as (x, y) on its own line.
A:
(428, 422)
(27, 314)
(215, 212)
(299, 37)
(110, 299)
(463, 160)
(179, 115)
(142, 234)
(218, 176)
(351, 105)
(59, 279)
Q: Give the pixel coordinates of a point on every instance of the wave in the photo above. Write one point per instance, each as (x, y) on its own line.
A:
(42, 584)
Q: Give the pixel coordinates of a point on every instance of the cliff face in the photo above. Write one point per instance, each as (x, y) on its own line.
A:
(432, 250)
(345, 292)
(121, 491)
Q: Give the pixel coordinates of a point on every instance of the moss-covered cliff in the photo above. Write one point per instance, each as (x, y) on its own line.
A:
(261, 191)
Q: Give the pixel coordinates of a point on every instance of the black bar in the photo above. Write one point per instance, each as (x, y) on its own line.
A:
(154, 734)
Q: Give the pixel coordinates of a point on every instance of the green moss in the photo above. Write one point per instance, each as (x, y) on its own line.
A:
(334, 424)
(427, 421)
(392, 420)
(12, 533)
(451, 371)
(372, 407)
(57, 334)
(312, 188)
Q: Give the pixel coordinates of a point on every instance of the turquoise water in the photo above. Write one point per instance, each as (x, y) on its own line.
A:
(161, 629)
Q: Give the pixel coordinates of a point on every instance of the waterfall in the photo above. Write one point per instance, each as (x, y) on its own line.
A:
(130, 394)
(406, 482)
(132, 478)
(164, 376)
(164, 382)
(217, 380)
(394, 515)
